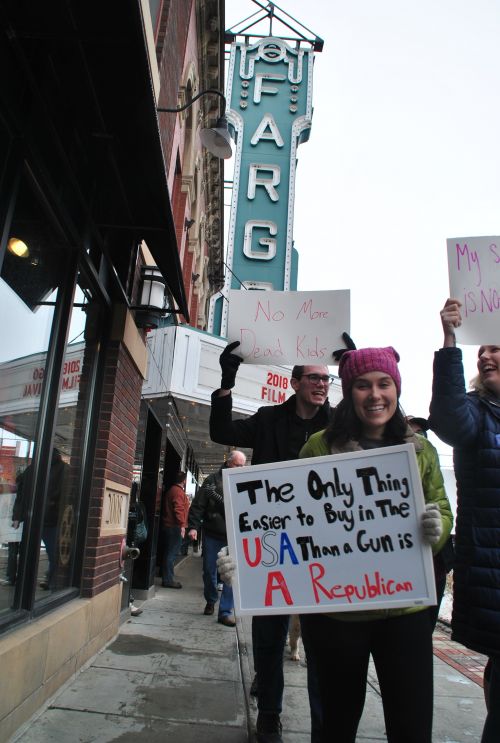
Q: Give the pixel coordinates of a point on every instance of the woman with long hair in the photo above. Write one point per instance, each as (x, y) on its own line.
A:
(399, 639)
(470, 422)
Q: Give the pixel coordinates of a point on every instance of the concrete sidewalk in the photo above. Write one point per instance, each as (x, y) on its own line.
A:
(173, 674)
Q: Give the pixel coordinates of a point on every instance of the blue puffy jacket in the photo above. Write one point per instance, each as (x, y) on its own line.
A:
(470, 422)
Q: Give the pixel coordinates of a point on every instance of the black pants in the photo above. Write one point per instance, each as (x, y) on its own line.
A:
(401, 648)
(491, 732)
(268, 641)
(269, 635)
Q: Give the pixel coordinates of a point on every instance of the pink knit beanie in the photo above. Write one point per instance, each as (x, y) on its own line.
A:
(364, 360)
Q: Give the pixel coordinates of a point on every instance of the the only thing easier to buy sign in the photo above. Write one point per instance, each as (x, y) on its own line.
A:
(327, 534)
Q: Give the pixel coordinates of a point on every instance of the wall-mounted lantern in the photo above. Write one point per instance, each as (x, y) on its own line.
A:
(153, 299)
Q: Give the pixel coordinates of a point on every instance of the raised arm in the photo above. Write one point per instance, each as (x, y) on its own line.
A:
(450, 319)
(454, 415)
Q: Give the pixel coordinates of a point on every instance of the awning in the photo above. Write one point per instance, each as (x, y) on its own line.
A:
(93, 118)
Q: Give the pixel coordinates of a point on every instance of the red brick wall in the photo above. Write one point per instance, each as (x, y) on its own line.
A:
(193, 309)
(171, 45)
(114, 459)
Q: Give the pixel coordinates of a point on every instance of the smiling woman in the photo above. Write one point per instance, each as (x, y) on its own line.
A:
(400, 640)
(375, 400)
(470, 422)
(488, 364)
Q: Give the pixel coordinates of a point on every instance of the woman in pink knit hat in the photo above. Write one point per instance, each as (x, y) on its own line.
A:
(399, 640)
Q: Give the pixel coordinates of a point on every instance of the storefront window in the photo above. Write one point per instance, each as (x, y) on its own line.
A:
(28, 293)
(23, 347)
(62, 503)
(35, 289)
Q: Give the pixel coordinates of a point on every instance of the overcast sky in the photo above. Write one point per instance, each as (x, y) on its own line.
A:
(404, 153)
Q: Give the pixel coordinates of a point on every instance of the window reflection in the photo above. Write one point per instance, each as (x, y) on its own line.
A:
(62, 505)
(21, 379)
(30, 281)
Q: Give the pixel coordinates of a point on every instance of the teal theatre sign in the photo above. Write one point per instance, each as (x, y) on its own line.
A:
(270, 111)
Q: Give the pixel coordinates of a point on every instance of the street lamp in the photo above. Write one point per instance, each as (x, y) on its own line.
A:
(151, 307)
(216, 140)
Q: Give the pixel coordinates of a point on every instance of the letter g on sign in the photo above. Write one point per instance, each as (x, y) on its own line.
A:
(268, 243)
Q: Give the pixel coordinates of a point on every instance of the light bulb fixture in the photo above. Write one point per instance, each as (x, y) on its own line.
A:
(152, 303)
(217, 139)
(18, 247)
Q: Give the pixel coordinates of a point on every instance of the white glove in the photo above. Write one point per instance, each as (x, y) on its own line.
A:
(432, 525)
(226, 566)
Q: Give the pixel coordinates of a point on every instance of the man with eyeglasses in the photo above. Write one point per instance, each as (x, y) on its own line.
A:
(276, 433)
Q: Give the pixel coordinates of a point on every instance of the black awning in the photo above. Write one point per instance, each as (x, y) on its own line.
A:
(94, 117)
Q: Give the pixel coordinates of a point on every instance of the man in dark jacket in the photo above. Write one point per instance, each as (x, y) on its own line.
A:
(275, 433)
(207, 512)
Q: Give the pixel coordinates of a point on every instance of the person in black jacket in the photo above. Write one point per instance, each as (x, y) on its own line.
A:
(57, 493)
(207, 512)
(276, 433)
(470, 422)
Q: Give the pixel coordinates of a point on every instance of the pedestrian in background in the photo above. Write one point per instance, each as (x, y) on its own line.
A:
(207, 513)
(470, 422)
(174, 520)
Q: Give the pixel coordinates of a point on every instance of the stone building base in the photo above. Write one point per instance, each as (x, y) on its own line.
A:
(36, 660)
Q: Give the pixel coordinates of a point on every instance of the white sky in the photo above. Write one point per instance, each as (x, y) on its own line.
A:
(404, 153)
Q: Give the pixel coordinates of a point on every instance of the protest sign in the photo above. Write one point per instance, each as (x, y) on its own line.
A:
(288, 327)
(474, 271)
(327, 534)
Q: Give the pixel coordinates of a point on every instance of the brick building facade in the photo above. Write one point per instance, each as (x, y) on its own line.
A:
(88, 179)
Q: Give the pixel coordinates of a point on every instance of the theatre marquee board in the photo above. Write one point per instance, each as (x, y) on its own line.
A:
(329, 534)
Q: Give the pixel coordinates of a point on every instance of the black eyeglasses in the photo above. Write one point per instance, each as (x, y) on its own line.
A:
(317, 378)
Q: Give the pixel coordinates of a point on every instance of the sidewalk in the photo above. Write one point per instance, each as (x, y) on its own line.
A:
(173, 674)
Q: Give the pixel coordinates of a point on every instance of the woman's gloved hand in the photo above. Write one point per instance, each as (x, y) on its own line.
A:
(226, 566)
(432, 525)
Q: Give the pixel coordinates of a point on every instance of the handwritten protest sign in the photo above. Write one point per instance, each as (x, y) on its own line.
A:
(288, 327)
(334, 533)
(474, 271)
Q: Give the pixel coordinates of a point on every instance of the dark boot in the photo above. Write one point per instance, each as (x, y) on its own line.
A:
(269, 728)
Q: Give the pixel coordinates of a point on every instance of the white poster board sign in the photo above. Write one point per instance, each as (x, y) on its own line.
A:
(288, 327)
(329, 534)
(474, 271)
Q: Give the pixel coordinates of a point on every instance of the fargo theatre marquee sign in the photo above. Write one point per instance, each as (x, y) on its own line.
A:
(270, 100)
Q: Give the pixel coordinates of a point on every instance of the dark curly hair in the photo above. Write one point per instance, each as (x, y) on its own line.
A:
(346, 426)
